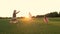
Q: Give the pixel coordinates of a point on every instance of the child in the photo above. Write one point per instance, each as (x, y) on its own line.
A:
(45, 19)
(14, 14)
(14, 19)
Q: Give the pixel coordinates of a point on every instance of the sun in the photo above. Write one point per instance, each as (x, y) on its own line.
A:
(27, 17)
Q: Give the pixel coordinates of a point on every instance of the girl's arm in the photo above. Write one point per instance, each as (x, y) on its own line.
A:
(17, 12)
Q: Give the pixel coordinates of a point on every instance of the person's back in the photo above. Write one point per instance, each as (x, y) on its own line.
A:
(14, 19)
(14, 14)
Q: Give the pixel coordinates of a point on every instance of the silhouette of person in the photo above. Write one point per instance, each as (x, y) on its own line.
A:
(14, 15)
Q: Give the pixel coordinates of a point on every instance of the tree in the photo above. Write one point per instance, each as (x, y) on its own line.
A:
(52, 14)
(59, 14)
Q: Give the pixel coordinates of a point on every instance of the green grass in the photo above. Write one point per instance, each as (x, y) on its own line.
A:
(37, 26)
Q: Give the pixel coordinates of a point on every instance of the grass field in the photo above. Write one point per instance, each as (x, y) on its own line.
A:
(36, 26)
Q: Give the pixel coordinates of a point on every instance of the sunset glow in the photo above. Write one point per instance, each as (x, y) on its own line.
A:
(36, 7)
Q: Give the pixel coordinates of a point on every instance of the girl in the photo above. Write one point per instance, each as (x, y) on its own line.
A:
(45, 19)
(14, 19)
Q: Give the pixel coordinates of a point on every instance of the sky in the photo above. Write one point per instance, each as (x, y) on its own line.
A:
(35, 7)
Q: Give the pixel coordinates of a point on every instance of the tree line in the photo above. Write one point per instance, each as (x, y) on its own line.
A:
(51, 14)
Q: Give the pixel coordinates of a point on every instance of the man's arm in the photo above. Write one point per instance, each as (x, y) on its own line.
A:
(17, 12)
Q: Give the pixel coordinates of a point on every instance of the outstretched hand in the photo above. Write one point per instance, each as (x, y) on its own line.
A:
(18, 12)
